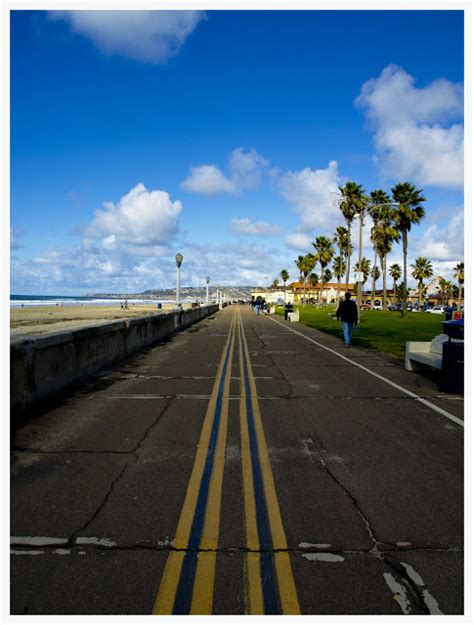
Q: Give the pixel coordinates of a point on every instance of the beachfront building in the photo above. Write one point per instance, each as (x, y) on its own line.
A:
(305, 292)
(274, 296)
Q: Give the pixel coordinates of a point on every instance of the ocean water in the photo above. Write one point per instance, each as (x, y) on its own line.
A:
(68, 300)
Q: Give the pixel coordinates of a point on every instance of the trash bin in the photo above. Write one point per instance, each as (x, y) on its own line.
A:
(452, 367)
(159, 305)
(448, 315)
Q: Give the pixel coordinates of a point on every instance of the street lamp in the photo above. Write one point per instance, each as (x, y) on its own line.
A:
(179, 260)
(207, 289)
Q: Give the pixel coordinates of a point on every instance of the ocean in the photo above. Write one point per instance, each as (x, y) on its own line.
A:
(77, 300)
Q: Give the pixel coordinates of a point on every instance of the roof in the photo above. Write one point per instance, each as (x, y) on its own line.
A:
(302, 285)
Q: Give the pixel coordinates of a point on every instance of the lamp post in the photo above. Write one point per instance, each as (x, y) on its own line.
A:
(179, 260)
(207, 289)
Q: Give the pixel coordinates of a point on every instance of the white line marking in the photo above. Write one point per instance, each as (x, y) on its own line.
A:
(446, 414)
(323, 557)
(399, 593)
(25, 553)
(37, 541)
(102, 542)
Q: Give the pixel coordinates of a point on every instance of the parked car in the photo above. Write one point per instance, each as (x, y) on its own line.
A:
(377, 306)
(437, 310)
(395, 306)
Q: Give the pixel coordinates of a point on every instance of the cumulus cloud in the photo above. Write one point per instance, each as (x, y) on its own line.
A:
(299, 241)
(311, 193)
(440, 243)
(245, 171)
(150, 36)
(418, 131)
(245, 226)
(140, 218)
(208, 180)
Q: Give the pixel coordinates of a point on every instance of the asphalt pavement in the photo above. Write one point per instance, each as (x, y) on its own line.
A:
(245, 466)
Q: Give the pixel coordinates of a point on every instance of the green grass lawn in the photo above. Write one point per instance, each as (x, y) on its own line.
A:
(378, 329)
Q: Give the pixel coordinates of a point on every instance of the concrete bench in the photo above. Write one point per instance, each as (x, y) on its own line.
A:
(294, 316)
(419, 355)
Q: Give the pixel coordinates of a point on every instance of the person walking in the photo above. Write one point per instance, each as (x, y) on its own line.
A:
(349, 315)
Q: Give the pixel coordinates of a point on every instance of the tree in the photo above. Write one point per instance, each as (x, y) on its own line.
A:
(446, 289)
(341, 238)
(459, 275)
(383, 234)
(338, 269)
(396, 273)
(275, 283)
(408, 212)
(284, 275)
(305, 265)
(379, 200)
(324, 252)
(313, 279)
(364, 267)
(349, 206)
(422, 269)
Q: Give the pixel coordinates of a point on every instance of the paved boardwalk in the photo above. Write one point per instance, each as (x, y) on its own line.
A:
(240, 468)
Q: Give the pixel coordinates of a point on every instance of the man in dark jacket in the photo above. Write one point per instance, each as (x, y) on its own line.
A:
(349, 315)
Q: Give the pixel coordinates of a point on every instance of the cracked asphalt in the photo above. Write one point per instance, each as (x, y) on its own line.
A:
(369, 481)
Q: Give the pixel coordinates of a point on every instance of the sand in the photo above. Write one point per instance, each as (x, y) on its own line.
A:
(37, 320)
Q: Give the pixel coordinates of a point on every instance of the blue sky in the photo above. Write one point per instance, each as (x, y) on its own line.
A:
(223, 135)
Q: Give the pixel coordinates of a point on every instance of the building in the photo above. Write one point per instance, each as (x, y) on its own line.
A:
(274, 296)
(310, 294)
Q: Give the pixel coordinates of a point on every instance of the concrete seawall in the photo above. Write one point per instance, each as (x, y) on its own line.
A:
(42, 366)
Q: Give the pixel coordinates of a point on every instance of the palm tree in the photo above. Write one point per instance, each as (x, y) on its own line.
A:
(396, 273)
(275, 283)
(383, 235)
(379, 200)
(349, 206)
(284, 275)
(324, 252)
(422, 269)
(313, 279)
(364, 267)
(338, 269)
(459, 275)
(305, 265)
(446, 290)
(408, 212)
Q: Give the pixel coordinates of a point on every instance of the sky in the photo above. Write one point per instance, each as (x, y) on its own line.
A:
(223, 135)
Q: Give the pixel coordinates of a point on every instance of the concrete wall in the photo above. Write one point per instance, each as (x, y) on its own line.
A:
(45, 365)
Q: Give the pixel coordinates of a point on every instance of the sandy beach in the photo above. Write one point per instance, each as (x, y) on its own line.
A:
(36, 320)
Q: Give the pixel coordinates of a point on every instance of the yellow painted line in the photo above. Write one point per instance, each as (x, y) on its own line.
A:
(203, 590)
(252, 579)
(169, 583)
(286, 583)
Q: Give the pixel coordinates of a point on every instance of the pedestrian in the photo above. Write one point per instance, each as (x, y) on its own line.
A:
(288, 309)
(349, 315)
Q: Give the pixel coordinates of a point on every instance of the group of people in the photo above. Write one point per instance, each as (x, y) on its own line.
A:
(260, 306)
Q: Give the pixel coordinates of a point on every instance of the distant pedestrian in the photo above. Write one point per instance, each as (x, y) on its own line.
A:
(349, 315)
(288, 309)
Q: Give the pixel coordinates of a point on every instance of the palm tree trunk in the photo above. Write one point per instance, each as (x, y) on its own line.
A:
(348, 270)
(284, 292)
(460, 296)
(420, 287)
(338, 290)
(405, 293)
(383, 263)
(372, 293)
(321, 287)
(361, 224)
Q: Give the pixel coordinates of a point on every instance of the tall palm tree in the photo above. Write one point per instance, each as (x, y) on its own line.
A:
(349, 206)
(378, 204)
(324, 252)
(396, 273)
(364, 267)
(313, 279)
(338, 269)
(305, 265)
(422, 269)
(408, 212)
(459, 275)
(284, 275)
(275, 283)
(383, 235)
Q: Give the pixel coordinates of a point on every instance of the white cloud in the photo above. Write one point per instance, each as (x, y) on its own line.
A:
(440, 244)
(245, 171)
(245, 226)
(14, 239)
(300, 242)
(418, 133)
(140, 218)
(208, 180)
(150, 36)
(311, 194)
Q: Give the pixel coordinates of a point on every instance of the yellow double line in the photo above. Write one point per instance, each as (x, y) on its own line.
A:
(187, 585)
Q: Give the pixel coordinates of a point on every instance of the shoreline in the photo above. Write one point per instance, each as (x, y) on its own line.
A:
(42, 319)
